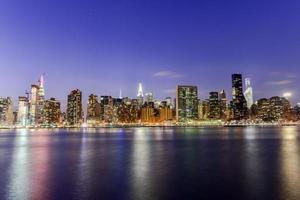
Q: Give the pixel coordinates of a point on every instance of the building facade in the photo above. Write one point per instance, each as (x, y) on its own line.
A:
(239, 103)
(223, 105)
(22, 118)
(214, 106)
(6, 112)
(74, 108)
(203, 109)
(248, 93)
(52, 112)
(93, 110)
(33, 106)
(186, 103)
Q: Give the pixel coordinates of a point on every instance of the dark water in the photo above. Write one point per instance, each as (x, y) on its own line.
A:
(151, 163)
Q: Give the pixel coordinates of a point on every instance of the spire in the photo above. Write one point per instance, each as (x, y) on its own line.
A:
(140, 90)
(41, 81)
(41, 85)
(120, 95)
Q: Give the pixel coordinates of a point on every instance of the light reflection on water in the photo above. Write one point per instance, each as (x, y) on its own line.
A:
(150, 163)
(20, 168)
(290, 162)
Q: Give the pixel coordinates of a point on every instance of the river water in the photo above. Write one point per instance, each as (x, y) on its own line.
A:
(151, 163)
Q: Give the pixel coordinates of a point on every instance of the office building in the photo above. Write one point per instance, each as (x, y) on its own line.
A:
(33, 106)
(248, 93)
(52, 112)
(214, 106)
(186, 103)
(22, 119)
(93, 109)
(223, 105)
(6, 111)
(240, 109)
(74, 108)
(203, 109)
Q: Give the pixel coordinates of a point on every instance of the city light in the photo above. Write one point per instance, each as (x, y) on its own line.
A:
(187, 109)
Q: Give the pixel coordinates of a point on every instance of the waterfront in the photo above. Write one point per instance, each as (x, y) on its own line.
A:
(151, 163)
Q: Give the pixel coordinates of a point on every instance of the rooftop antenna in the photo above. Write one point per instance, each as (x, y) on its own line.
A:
(27, 94)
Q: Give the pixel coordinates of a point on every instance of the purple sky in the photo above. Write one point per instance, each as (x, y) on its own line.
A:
(103, 46)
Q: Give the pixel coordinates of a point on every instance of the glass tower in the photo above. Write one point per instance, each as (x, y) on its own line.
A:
(248, 92)
(240, 110)
(186, 103)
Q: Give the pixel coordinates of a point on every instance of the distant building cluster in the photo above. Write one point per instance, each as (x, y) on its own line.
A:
(34, 110)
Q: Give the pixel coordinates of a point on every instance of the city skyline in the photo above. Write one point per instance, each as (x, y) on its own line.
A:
(139, 91)
(102, 47)
(36, 110)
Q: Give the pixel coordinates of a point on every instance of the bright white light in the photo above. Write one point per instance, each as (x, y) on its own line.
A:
(287, 94)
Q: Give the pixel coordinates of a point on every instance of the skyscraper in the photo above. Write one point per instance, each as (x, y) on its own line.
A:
(41, 101)
(214, 106)
(248, 92)
(52, 112)
(263, 109)
(186, 103)
(106, 108)
(203, 109)
(93, 109)
(140, 95)
(240, 110)
(74, 108)
(33, 106)
(6, 111)
(223, 104)
(22, 118)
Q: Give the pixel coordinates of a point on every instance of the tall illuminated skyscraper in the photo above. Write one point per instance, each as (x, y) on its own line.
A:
(52, 112)
(223, 104)
(6, 111)
(93, 109)
(41, 101)
(140, 95)
(214, 106)
(240, 110)
(33, 106)
(186, 103)
(74, 108)
(248, 93)
(22, 118)
(106, 108)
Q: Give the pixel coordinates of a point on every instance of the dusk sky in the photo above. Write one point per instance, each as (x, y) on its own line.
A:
(101, 47)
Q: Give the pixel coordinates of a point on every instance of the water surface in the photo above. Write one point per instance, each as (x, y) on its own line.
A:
(150, 163)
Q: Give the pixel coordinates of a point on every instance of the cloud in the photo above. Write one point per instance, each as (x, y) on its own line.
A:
(170, 91)
(282, 74)
(291, 75)
(274, 73)
(280, 82)
(167, 74)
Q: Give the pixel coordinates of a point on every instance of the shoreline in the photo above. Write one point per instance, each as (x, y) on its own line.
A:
(160, 126)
